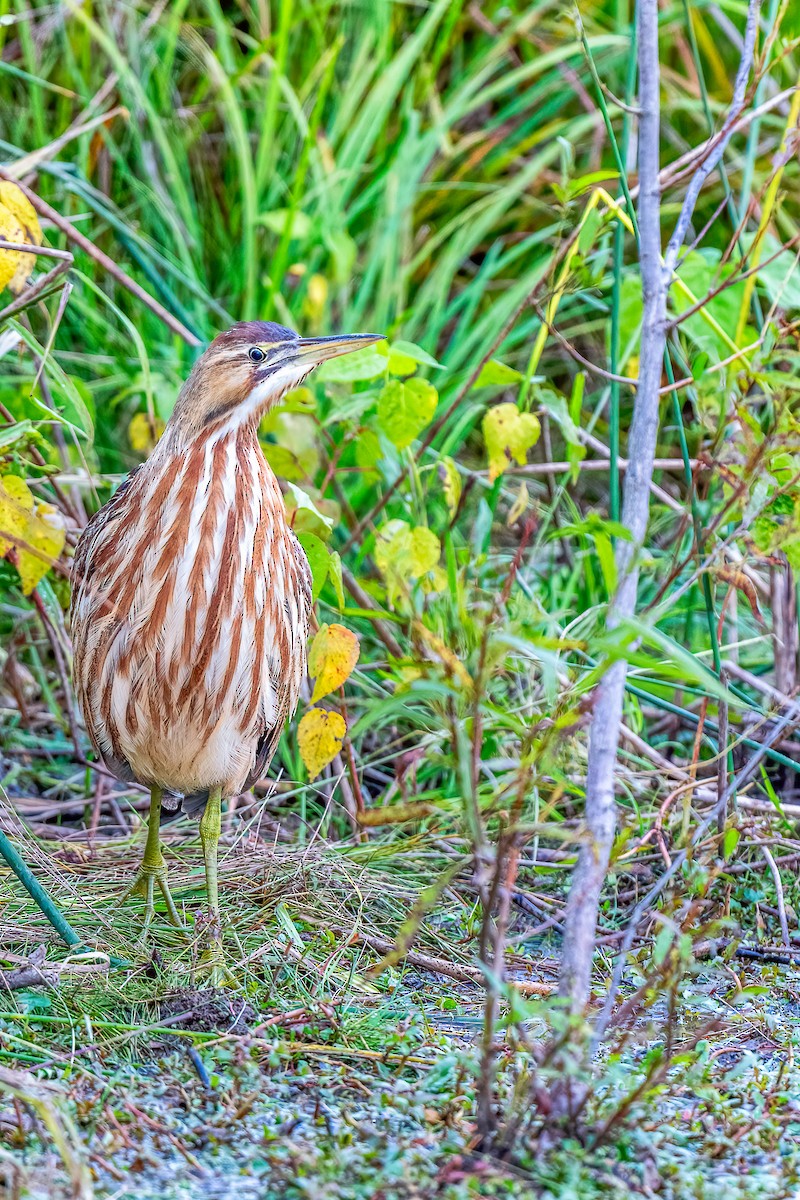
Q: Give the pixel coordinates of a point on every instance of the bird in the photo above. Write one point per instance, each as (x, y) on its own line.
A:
(191, 603)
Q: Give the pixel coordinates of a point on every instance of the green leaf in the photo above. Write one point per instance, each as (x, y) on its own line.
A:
(305, 514)
(318, 560)
(556, 405)
(698, 366)
(11, 434)
(605, 555)
(275, 221)
(352, 407)
(368, 449)
(283, 462)
(335, 576)
(630, 320)
(663, 943)
(585, 183)
(298, 400)
(411, 351)
(353, 368)
(404, 554)
(576, 451)
(702, 272)
(770, 790)
(404, 409)
(496, 374)
(730, 841)
(778, 274)
(588, 231)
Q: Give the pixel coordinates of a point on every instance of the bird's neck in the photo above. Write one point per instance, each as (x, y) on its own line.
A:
(181, 437)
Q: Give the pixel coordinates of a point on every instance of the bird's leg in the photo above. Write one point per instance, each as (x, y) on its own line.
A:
(210, 829)
(153, 869)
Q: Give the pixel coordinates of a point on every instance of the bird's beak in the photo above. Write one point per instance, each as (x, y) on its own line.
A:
(313, 351)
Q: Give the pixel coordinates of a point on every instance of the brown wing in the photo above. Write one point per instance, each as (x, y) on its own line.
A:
(83, 614)
(287, 689)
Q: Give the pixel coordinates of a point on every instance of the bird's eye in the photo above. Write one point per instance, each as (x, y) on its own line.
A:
(256, 355)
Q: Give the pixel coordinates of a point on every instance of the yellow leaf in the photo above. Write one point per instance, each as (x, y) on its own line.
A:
(404, 554)
(451, 484)
(509, 435)
(319, 736)
(333, 654)
(452, 662)
(10, 260)
(46, 536)
(16, 506)
(395, 814)
(518, 507)
(316, 296)
(401, 364)
(143, 434)
(14, 201)
(36, 529)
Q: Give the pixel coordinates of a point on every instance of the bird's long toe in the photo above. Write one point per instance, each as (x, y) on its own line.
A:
(212, 967)
(149, 876)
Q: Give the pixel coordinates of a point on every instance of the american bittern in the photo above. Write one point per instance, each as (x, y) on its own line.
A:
(191, 599)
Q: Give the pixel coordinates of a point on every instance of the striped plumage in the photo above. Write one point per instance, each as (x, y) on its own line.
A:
(192, 596)
(191, 600)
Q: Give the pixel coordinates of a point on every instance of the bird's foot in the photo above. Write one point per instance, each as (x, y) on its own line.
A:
(151, 873)
(212, 963)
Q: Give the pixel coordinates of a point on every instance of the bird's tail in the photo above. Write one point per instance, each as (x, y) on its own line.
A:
(175, 802)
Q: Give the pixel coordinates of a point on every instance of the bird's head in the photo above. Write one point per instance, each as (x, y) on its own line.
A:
(248, 369)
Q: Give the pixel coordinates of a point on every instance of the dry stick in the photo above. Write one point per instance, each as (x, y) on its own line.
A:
(41, 251)
(108, 264)
(486, 1082)
(722, 138)
(42, 284)
(598, 464)
(776, 875)
(30, 163)
(429, 962)
(659, 493)
(593, 857)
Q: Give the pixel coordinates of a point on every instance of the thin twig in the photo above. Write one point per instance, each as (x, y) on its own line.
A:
(108, 264)
(776, 876)
(719, 144)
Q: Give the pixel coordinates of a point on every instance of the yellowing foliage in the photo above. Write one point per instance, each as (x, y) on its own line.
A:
(144, 433)
(34, 533)
(18, 223)
(451, 484)
(404, 554)
(319, 736)
(333, 655)
(509, 435)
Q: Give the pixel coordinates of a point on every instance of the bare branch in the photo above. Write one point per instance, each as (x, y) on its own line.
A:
(590, 871)
(721, 142)
(593, 857)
